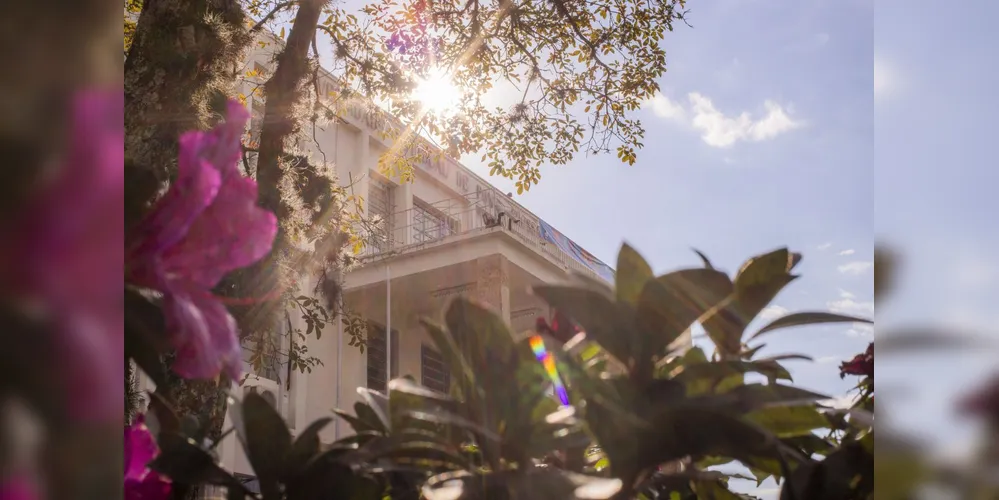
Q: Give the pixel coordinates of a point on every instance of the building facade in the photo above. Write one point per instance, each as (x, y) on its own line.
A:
(447, 233)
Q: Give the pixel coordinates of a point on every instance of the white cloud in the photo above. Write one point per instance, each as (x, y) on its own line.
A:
(825, 360)
(773, 312)
(663, 107)
(856, 267)
(824, 246)
(849, 305)
(722, 131)
(848, 251)
(861, 330)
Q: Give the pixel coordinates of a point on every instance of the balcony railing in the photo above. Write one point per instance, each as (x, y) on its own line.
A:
(429, 225)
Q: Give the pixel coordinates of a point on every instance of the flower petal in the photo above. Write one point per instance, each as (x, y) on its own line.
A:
(140, 449)
(204, 334)
(231, 234)
(193, 191)
(200, 154)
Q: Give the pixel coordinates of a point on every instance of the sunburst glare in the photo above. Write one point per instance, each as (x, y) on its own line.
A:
(437, 93)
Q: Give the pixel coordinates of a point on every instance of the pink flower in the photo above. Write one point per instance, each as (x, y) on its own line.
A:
(205, 226)
(65, 252)
(561, 328)
(861, 365)
(18, 487)
(140, 449)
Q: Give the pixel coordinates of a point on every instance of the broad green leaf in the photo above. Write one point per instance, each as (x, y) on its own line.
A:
(267, 442)
(757, 283)
(712, 373)
(305, 447)
(451, 352)
(368, 415)
(789, 421)
(184, 461)
(668, 306)
(378, 404)
(631, 275)
(754, 396)
(359, 425)
(595, 313)
(683, 431)
(808, 318)
(763, 270)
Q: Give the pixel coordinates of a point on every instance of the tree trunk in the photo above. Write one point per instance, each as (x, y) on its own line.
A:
(283, 92)
(179, 71)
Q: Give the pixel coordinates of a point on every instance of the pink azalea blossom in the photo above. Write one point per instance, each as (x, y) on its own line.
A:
(18, 488)
(205, 226)
(64, 253)
(140, 449)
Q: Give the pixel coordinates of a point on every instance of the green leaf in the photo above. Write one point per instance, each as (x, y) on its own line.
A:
(704, 259)
(757, 283)
(683, 431)
(377, 404)
(753, 396)
(631, 275)
(716, 371)
(808, 318)
(185, 462)
(789, 421)
(359, 425)
(267, 442)
(145, 335)
(595, 313)
(305, 447)
(450, 351)
(669, 305)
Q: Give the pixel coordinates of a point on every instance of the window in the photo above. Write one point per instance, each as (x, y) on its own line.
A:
(376, 356)
(434, 371)
(430, 224)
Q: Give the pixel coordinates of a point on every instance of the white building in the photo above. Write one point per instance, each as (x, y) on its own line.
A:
(449, 233)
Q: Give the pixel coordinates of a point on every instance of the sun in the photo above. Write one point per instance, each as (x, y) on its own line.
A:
(437, 93)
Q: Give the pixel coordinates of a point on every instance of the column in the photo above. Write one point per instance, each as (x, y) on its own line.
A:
(403, 217)
(492, 285)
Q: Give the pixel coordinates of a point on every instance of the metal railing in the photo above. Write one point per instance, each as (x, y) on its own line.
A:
(432, 224)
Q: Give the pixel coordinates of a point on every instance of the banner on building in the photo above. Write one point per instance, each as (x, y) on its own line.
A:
(551, 235)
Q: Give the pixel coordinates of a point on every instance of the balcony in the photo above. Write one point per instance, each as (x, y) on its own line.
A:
(454, 220)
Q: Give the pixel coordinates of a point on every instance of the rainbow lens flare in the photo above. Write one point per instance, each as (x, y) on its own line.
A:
(548, 362)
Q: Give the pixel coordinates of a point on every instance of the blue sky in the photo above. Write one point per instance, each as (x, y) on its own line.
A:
(884, 117)
(817, 125)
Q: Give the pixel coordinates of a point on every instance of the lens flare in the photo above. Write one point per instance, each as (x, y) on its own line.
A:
(548, 362)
